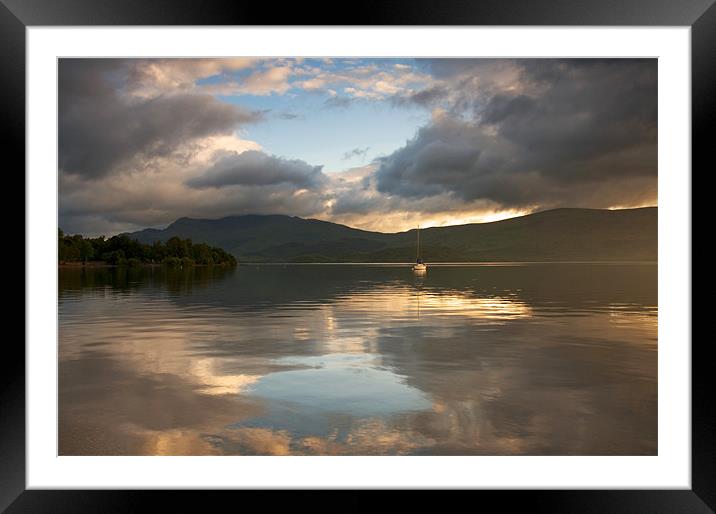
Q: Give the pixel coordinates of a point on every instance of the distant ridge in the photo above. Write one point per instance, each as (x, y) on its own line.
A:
(555, 235)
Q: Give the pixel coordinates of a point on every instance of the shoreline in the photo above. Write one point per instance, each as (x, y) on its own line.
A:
(99, 264)
(439, 263)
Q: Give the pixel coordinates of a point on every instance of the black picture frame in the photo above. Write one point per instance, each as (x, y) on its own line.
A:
(17, 15)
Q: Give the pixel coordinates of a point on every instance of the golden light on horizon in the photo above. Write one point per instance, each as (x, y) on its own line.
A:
(640, 206)
(481, 217)
(404, 221)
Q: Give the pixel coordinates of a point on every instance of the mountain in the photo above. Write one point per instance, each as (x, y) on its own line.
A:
(554, 235)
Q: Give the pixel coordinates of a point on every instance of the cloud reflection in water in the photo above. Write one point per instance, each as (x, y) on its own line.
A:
(271, 360)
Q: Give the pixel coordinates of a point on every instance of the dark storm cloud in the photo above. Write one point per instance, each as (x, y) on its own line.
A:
(450, 68)
(544, 140)
(427, 97)
(447, 156)
(254, 168)
(101, 129)
(589, 111)
(501, 107)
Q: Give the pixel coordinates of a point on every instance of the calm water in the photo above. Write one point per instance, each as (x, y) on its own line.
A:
(359, 360)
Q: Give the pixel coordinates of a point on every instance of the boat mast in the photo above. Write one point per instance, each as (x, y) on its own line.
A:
(417, 257)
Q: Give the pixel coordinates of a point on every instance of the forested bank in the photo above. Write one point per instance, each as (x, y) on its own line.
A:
(122, 250)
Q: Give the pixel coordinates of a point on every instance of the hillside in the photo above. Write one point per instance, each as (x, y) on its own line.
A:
(554, 235)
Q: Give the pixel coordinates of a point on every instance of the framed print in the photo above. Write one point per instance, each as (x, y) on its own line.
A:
(438, 248)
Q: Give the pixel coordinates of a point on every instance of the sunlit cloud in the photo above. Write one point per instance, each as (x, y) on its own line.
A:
(152, 77)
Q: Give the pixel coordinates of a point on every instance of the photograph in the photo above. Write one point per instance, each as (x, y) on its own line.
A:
(357, 256)
(425, 247)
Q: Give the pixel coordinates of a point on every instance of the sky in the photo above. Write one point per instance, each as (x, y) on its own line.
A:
(377, 144)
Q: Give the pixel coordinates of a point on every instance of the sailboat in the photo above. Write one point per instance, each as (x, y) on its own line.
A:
(419, 266)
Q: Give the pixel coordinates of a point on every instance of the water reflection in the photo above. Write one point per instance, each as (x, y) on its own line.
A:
(359, 360)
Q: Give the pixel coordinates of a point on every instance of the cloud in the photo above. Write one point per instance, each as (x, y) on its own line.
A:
(102, 130)
(254, 168)
(459, 85)
(340, 102)
(119, 203)
(427, 97)
(374, 81)
(273, 80)
(356, 152)
(446, 156)
(152, 77)
(355, 201)
(562, 129)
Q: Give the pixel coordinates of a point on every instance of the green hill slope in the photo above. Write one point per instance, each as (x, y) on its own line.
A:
(555, 235)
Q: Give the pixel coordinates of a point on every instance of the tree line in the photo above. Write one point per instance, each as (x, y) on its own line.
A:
(122, 250)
